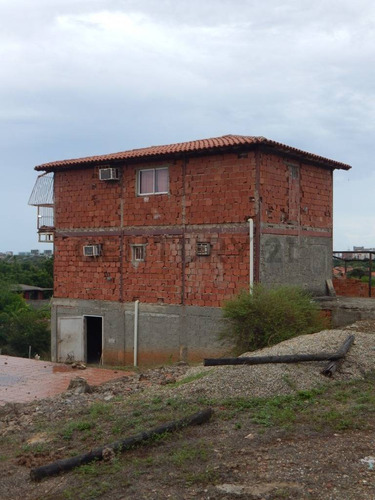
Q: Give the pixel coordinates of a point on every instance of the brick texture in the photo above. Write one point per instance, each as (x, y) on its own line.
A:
(351, 287)
(284, 202)
(210, 200)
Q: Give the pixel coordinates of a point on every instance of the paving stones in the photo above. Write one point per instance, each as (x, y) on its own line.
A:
(23, 380)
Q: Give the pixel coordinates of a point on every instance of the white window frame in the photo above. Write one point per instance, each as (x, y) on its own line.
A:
(148, 170)
(138, 252)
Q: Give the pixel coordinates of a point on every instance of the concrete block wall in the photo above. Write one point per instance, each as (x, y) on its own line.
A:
(304, 261)
(165, 333)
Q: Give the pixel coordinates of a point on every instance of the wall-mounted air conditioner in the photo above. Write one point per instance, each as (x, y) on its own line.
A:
(203, 249)
(92, 250)
(109, 174)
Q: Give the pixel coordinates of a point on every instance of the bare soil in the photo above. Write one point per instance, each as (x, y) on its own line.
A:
(310, 444)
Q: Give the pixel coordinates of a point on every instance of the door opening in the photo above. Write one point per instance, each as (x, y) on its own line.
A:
(94, 338)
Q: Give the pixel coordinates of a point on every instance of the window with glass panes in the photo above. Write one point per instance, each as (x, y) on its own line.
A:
(153, 181)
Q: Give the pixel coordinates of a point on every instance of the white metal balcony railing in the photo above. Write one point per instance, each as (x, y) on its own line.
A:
(42, 198)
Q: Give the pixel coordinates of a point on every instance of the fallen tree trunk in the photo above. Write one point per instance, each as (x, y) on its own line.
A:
(286, 358)
(67, 464)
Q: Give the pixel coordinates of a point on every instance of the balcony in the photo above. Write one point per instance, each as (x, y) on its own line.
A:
(42, 198)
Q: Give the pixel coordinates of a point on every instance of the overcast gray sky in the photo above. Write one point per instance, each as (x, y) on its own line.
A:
(85, 77)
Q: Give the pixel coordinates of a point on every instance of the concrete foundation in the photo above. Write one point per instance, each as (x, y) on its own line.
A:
(347, 310)
(166, 333)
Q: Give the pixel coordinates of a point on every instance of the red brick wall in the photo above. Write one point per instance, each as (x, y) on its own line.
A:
(153, 210)
(274, 185)
(207, 281)
(211, 280)
(207, 196)
(218, 189)
(158, 278)
(309, 205)
(82, 200)
(316, 197)
(80, 277)
(351, 287)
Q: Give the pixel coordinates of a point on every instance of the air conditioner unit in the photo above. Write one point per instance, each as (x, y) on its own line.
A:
(203, 249)
(92, 250)
(109, 174)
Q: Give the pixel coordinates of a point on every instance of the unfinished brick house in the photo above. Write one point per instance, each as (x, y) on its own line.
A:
(150, 242)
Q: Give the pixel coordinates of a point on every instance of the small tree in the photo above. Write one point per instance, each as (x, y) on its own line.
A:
(269, 316)
(21, 326)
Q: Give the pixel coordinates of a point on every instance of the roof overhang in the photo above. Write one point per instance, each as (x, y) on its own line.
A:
(224, 144)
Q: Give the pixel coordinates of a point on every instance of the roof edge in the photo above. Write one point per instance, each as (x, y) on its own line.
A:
(210, 146)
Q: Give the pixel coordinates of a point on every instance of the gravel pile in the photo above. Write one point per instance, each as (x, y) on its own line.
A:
(273, 379)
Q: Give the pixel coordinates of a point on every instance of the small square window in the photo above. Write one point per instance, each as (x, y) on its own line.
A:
(153, 181)
(138, 253)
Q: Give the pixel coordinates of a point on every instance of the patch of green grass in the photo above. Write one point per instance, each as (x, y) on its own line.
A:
(277, 410)
(71, 427)
(188, 454)
(97, 468)
(339, 406)
(334, 419)
(36, 447)
(99, 409)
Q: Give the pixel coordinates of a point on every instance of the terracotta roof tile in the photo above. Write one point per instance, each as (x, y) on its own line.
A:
(224, 143)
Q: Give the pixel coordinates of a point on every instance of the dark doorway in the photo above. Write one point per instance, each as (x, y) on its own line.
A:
(94, 338)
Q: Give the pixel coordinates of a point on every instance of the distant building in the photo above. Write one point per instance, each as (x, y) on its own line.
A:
(35, 296)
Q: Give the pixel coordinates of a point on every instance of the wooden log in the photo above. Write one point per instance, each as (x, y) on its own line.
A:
(286, 358)
(346, 346)
(67, 464)
(333, 366)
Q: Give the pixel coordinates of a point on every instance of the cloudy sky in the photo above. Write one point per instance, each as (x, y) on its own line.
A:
(85, 77)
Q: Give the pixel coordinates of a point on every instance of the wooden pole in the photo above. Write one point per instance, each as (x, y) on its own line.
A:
(287, 358)
(67, 464)
(333, 365)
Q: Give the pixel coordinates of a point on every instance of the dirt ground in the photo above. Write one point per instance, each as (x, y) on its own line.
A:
(317, 444)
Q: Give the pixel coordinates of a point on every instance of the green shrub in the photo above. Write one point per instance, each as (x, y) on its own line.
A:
(269, 316)
(21, 326)
(23, 329)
